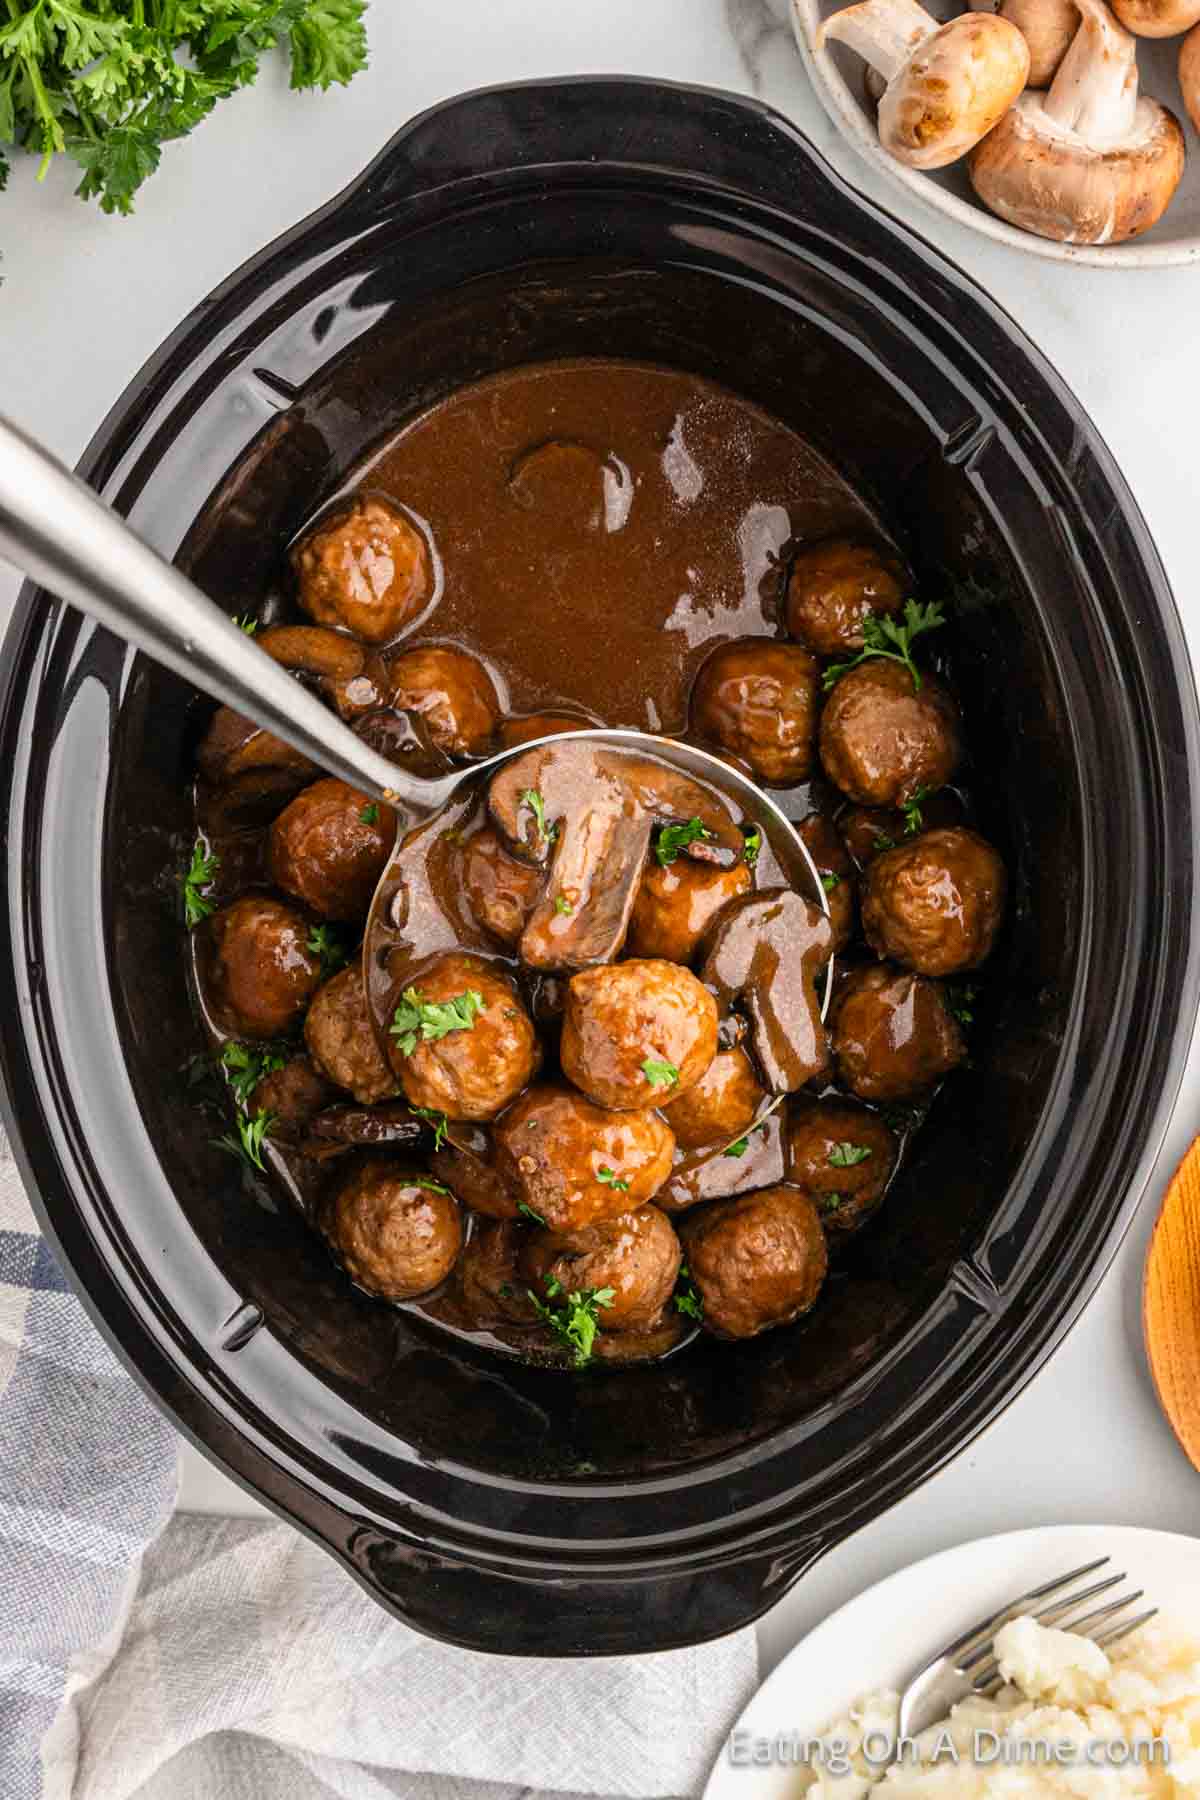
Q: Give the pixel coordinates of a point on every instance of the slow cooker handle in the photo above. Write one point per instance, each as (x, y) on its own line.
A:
(647, 127)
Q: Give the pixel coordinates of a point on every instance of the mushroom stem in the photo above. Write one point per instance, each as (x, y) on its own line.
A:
(883, 32)
(1095, 92)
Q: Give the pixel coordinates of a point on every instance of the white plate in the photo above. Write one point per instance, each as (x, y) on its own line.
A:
(837, 76)
(883, 1636)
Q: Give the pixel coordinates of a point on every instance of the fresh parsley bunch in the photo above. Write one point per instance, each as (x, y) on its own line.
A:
(109, 82)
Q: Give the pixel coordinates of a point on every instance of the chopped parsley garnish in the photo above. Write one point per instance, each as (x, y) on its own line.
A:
(425, 1021)
(246, 622)
(830, 881)
(251, 1135)
(753, 837)
(326, 942)
(246, 1064)
(660, 1074)
(674, 838)
(537, 806)
(610, 1178)
(883, 636)
(960, 999)
(575, 1321)
(202, 872)
(438, 1120)
(846, 1156)
(426, 1181)
(562, 904)
(740, 1145)
(370, 814)
(530, 1214)
(828, 1203)
(688, 1298)
(884, 842)
(914, 819)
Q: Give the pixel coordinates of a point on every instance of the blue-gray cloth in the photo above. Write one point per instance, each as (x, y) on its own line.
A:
(88, 1472)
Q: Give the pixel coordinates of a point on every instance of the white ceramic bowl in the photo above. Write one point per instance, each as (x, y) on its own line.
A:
(837, 75)
(881, 1638)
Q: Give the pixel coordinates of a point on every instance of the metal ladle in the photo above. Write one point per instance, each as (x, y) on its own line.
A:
(55, 528)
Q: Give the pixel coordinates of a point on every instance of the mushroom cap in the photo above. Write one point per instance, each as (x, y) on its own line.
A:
(1047, 180)
(1047, 27)
(953, 89)
(1189, 74)
(1157, 18)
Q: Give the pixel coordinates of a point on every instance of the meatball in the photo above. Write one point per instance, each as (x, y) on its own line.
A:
(489, 1286)
(396, 1232)
(836, 871)
(935, 904)
(292, 1095)
(893, 1036)
(637, 1033)
(758, 699)
(675, 906)
(637, 1255)
(471, 1070)
(571, 1163)
(722, 1105)
(341, 1039)
(500, 891)
(833, 589)
(453, 694)
(882, 739)
(758, 1259)
(262, 974)
(842, 1156)
(329, 847)
(364, 568)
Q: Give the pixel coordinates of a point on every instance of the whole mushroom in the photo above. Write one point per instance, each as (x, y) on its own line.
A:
(1089, 162)
(1157, 18)
(1048, 27)
(947, 85)
(1189, 74)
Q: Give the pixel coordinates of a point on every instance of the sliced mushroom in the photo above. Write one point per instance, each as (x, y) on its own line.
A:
(590, 811)
(1189, 74)
(764, 955)
(393, 1122)
(315, 649)
(1048, 27)
(946, 85)
(1089, 162)
(233, 744)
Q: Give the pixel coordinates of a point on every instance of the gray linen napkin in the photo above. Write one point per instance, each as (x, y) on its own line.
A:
(219, 1657)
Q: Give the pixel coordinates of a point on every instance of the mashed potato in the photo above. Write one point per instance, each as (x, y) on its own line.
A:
(1070, 1720)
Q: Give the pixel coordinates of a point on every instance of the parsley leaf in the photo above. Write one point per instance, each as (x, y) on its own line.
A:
(828, 1203)
(884, 842)
(688, 1298)
(830, 881)
(883, 636)
(753, 837)
(562, 904)
(201, 874)
(370, 814)
(426, 1181)
(674, 838)
(246, 1064)
(326, 942)
(845, 1155)
(660, 1074)
(609, 1178)
(529, 1213)
(740, 1145)
(576, 1320)
(960, 999)
(914, 819)
(109, 82)
(438, 1120)
(246, 622)
(533, 800)
(251, 1135)
(425, 1021)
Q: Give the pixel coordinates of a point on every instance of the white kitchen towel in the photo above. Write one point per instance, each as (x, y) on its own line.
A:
(222, 1659)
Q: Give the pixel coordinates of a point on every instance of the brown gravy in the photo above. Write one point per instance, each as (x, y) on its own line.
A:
(600, 526)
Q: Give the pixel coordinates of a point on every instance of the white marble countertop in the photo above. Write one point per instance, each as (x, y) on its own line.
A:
(86, 299)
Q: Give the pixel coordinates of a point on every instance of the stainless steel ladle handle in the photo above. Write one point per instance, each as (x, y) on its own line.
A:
(55, 529)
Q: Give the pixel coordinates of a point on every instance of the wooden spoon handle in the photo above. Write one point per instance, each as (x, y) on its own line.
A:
(1171, 1304)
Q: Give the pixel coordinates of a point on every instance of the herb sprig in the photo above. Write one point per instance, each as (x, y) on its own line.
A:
(659, 1073)
(673, 839)
(576, 1319)
(688, 1298)
(914, 818)
(609, 1178)
(438, 1120)
(251, 1135)
(326, 942)
(884, 636)
(246, 1064)
(201, 873)
(847, 1156)
(109, 82)
(426, 1021)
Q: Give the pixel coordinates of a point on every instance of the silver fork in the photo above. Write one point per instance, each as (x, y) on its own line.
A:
(967, 1666)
